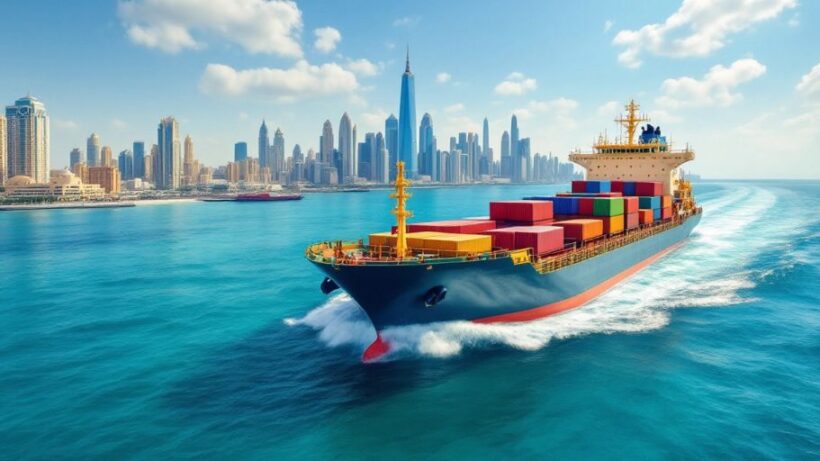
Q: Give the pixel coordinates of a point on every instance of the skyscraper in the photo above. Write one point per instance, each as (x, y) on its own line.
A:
(190, 168)
(326, 143)
(506, 159)
(379, 159)
(3, 157)
(125, 163)
(240, 151)
(106, 156)
(391, 142)
(167, 176)
(407, 120)
(278, 154)
(264, 146)
(93, 150)
(27, 144)
(427, 147)
(516, 156)
(346, 149)
(139, 159)
(75, 157)
(486, 150)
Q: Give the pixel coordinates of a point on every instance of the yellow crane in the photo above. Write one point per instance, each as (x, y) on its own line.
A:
(401, 212)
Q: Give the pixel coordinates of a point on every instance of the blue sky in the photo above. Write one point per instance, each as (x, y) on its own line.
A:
(735, 79)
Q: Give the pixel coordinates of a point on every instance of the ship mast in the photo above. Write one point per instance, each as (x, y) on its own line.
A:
(632, 120)
(401, 212)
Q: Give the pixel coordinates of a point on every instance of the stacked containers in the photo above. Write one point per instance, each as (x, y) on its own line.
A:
(463, 226)
(598, 186)
(666, 206)
(629, 188)
(454, 244)
(646, 216)
(611, 213)
(542, 239)
(648, 188)
(579, 186)
(631, 207)
(617, 186)
(651, 203)
(522, 212)
(581, 230)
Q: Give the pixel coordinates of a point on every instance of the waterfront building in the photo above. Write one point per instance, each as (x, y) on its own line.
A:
(190, 167)
(514, 153)
(427, 148)
(27, 139)
(391, 141)
(3, 156)
(150, 160)
(525, 162)
(81, 171)
(486, 150)
(232, 172)
(168, 167)
(506, 159)
(106, 156)
(407, 120)
(380, 161)
(62, 185)
(240, 151)
(125, 162)
(139, 159)
(206, 175)
(348, 158)
(92, 150)
(108, 177)
(264, 146)
(326, 143)
(74, 157)
(278, 157)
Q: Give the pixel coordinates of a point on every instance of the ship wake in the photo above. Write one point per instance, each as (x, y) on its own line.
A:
(713, 269)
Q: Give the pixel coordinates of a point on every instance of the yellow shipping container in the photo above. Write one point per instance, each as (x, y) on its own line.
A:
(382, 239)
(460, 243)
(414, 239)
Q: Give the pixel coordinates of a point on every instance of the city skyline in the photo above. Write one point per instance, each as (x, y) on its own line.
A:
(718, 97)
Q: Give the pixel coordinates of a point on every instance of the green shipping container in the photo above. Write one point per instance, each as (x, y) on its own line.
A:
(608, 206)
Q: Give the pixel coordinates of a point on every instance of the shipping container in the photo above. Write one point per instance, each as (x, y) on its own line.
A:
(608, 206)
(666, 213)
(646, 216)
(657, 214)
(452, 244)
(648, 188)
(631, 205)
(565, 205)
(666, 201)
(502, 238)
(649, 203)
(598, 186)
(414, 239)
(459, 227)
(616, 186)
(581, 230)
(629, 188)
(613, 224)
(542, 239)
(521, 210)
(579, 186)
(586, 206)
(579, 194)
(506, 224)
(632, 221)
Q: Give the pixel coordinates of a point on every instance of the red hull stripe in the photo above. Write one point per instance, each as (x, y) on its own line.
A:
(577, 300)
(378, 348)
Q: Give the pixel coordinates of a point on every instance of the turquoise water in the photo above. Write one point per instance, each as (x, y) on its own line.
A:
(198, 331)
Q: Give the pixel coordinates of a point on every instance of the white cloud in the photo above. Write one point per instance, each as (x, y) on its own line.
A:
(458, 107)
(714, 89)
(810, 83)
(258, 26)
(559, 111)
(373, 120)
(326, 39)
(516, 84)
(407, 21)
(608, 25)
(443, 77)
(65, 124)
(118, 124)
(697, 28)
(363, 67)
(303, 80)
(608, 108)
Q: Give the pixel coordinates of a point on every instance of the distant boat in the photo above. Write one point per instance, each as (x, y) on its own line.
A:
(354, 189)
(267, 197)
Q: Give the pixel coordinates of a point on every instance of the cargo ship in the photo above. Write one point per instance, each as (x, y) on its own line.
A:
(530, 258)
(254, 197)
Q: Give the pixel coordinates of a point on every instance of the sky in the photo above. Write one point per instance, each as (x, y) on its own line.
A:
(739, 80)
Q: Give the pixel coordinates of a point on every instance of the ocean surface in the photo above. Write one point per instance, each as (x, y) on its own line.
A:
(198, 331)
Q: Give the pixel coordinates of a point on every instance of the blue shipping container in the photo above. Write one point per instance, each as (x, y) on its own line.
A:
(629, 188)
(647, 203)
(656, 214)
(599, 186)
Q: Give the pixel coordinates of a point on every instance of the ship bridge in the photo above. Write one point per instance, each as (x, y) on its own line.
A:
(647, 158)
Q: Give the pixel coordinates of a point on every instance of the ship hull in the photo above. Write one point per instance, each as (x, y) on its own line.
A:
(494, 290)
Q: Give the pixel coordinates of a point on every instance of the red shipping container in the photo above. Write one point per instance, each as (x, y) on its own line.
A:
(506, 224)
(579, 186)
(459, 227)
(646, 216)
(632, 221)
(666, 213)
(666, 201)
(648, 188)
(521, 210)
(542, 239)
(631, 205)
(585, 206)
(616, 186)
(581, 229)
(502, 238)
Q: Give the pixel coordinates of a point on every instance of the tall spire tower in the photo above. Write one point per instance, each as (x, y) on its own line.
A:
(407, 120)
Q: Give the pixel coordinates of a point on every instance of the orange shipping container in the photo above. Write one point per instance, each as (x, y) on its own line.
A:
(666, 201)
(646, 216)
(613, 224)
(581, 229)
(666, 213)
(450, 244)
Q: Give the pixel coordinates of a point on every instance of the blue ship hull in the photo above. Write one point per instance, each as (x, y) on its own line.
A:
(494, 290)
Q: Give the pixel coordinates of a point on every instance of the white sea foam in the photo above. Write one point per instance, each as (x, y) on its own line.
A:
(711, 270)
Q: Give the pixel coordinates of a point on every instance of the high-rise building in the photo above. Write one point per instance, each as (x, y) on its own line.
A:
(240, 151)
(427, 148)
(407, 120)
(106, 156)
(27, 139)
(326, 143)
(391, 142)
(506, 159)
(264, 146)
(92, 150)
(486, 150)
(75, 157)
(108, 177)
(139, 159)
(3, 156)
(346, 149)
(516, 155)
(379, 158)
(278, 151)
(168, 175)
(525, 160)
(190, 167)
(125, 162)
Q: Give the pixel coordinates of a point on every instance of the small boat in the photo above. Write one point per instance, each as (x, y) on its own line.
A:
(267, 197)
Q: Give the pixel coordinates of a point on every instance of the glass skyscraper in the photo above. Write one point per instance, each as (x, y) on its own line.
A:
(391, 140)
(27, 139)
(169, 164)
(240, 151)
(407, 121)
(139, 159)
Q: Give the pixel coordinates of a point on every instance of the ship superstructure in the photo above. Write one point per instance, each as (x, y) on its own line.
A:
(530, 258)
